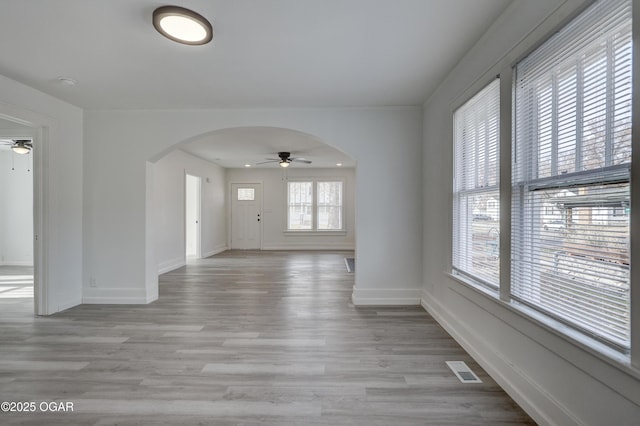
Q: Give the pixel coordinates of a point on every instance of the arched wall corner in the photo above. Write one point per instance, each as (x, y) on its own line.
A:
(122, 146)
(285, 136)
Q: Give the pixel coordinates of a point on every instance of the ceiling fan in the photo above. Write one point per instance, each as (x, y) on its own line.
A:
(285, 159)
(19, 146)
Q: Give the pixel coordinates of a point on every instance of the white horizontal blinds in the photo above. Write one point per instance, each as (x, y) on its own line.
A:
(329, 205)
(572, 153)
(300, 202)
(476, 198)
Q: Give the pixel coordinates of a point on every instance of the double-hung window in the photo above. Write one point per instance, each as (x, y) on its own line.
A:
(300, 206)
(571, 172)
(329, 205)
(315, 205)
(569, 195)
(476, 197)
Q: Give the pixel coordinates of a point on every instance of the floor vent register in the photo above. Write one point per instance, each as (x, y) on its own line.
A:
(463, 372)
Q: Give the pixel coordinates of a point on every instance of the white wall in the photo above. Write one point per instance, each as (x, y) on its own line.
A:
(62, 177)
(274, 213)
(118, 145)
(556, 381)
(169, 208)
(16, 209)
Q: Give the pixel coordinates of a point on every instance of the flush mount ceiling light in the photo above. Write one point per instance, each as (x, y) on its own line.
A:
(182, 25)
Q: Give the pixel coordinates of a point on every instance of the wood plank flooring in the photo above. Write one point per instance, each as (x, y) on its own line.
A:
(16, 284)
(244, 338)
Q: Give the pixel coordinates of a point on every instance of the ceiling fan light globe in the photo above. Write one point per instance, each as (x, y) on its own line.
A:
(284, 164)
(20, 149)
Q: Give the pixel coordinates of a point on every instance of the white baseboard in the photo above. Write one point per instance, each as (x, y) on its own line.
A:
(215, 251)
(68, 305)
(152, 297)
(115, 296)
(541, 406)
(170, 265)
(386, 297)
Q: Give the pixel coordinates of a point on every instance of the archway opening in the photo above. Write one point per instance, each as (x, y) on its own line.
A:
(307, 206)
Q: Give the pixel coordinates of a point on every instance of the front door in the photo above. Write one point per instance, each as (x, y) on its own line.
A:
(246, 206)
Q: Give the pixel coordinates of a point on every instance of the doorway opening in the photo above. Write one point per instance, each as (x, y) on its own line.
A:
(193, 192)
(16, 226)
(244, 199)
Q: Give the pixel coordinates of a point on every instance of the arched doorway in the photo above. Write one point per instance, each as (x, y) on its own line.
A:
(231, 163)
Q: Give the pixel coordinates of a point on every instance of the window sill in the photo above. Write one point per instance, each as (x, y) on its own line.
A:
(470, 290)
(309, 233)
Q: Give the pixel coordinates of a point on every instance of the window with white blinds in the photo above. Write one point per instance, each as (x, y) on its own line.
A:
(571, 171)
(476, 197)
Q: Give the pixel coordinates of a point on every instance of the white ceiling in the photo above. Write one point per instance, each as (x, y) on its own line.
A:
(265, 53)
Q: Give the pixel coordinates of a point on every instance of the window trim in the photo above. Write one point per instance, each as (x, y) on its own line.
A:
(634, 179)
(539, 92)
(627, 363)
(314, 231)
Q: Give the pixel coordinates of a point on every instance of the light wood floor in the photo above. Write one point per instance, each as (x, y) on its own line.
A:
(16, 285)
(244, 338)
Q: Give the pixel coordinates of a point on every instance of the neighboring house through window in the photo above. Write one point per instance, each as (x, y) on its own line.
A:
(572, 145)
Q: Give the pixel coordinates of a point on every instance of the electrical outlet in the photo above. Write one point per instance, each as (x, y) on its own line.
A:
(92, 282)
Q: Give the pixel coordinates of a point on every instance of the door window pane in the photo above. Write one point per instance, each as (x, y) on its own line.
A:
(246, 194)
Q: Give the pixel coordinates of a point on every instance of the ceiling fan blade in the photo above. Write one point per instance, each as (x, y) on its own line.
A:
(300, 160)
(7, 141)
(269, 161)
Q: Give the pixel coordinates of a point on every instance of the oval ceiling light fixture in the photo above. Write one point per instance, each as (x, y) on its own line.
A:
(182, 25)
(21, 146)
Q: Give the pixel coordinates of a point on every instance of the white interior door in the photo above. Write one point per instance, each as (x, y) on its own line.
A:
(192, 216)
(246, 220)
